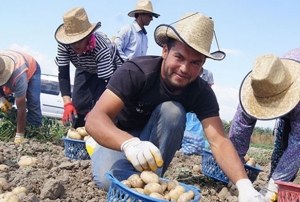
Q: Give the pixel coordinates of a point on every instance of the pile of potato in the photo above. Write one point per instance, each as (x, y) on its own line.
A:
(250, 161)
(18, 193)
(148, 183)
(78, 134)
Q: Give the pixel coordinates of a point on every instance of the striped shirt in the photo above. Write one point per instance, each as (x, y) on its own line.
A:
(103, 60)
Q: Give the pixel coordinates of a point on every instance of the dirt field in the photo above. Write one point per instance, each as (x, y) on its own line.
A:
(57, 178)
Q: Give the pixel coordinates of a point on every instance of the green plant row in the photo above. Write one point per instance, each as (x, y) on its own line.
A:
(51, 129)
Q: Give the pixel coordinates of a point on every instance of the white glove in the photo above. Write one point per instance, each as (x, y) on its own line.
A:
(270, 191)
(247, 193)
(143, 155)
(19, 138)
(5, 106)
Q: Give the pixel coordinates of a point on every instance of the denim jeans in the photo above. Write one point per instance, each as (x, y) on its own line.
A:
(33, 103)
(164, 129)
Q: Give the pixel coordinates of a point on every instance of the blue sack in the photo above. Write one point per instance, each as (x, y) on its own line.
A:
(193, 139)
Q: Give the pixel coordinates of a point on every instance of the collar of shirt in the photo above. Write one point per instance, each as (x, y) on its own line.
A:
(138, 28)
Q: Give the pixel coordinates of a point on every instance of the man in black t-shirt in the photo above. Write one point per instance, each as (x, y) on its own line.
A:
(140, 118)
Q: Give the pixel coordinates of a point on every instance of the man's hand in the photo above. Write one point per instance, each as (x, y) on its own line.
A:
(69, 110)
(5, 106)
(143, 155)
(247, 193)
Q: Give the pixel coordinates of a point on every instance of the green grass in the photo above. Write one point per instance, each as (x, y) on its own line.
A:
(261, 146)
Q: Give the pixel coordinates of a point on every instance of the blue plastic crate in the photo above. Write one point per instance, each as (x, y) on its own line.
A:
(75, 149)
(211, 168)
(119, 192)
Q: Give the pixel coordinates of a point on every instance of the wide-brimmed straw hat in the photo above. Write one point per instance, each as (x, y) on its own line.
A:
(143, 6)
(76, 27)
(271, 89)
(193, 29)
(7, 66)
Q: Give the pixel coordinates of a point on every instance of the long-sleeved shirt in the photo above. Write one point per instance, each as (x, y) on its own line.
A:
(242, 127)
(131, 41)
(103, 60)
(207, 76)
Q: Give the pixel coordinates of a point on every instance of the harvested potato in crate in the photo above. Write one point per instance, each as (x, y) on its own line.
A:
(155, 189)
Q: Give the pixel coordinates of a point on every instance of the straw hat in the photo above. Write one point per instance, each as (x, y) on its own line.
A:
(143, 6)
(75, 28)
(271, 89)
(193, 29)
(7, 67)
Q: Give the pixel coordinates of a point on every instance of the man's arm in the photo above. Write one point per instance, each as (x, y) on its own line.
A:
(223, 150)
(105, 132)
(21, 116)
(143, 155)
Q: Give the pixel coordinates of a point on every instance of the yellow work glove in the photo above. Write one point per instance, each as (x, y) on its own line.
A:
(5, 106)
(19, 138)
(143, 155)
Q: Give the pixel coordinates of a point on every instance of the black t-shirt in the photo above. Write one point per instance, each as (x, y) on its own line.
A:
(139, 85)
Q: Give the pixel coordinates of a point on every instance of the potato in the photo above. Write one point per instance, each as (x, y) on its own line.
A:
(167, 196)
(251, 162)
(86, 138)
(82, 132)
(153, 187)
(4, 168)
(9, 196)
(4, 184)
(157, 196)
(18, 190)
(164, 185)
(126, 183)
(196, 168)
(140, 190)
(27, 161)
(73, 134)
(176, 192)
(149, 177)
(187, 196)
(246, 158)
(172, 184)
(136, 181)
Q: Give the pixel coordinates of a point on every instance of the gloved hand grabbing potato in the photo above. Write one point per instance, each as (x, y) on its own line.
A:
(5, 106)
(247, 193)
(143, 155)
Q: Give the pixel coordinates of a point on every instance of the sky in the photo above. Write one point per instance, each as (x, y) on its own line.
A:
(244, 30)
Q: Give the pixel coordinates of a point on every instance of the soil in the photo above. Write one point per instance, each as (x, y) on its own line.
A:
(56, 178)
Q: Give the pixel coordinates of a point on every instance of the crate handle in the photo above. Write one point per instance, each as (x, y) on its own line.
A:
(109, 176)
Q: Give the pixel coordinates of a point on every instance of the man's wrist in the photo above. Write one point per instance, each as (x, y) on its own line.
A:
(242, 183)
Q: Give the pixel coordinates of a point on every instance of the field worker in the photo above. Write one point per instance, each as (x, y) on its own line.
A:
(132, 40)
(140, 118)
(207, 76)
(270, 91)
(20, 74)
(93, 55)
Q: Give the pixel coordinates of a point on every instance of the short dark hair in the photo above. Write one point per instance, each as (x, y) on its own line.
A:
(170, 43)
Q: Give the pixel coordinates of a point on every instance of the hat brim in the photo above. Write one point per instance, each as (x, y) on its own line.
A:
(62, 38)
(9, 68)
(271, 107)
(163, 32)
(132, 13)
